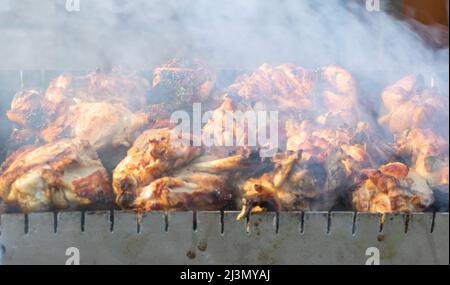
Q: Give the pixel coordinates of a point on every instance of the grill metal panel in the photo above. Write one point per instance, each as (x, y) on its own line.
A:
(287, 238)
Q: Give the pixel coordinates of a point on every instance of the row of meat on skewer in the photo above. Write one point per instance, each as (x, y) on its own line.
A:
(88, 142)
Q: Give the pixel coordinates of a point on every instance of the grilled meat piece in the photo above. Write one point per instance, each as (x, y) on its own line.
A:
(333, 159)
(153, 154)
(35, 110)
(102, 124)
(337, 103)
(182, 82)
(330, 94)
(392, 188)
(276, 190)
(118, 86)
(428, 154)
(196, 192)
(29, 109)
(285, 86)
(234, 128)
(319, 142)
(97, 107)
(410, 105)
(202, 185)
(66, 174)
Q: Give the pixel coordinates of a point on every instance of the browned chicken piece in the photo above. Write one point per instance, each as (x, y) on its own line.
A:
(66, 174)
(196, 192)
(225, 132)
(34, 110)
(276, 190)
(117, 85)
(361, 144)
(333, 158)
(392, 188)
(215, 133)
(102, 124)
(428, 153)
(153, 154)
(98, 107)
(237, 127)
(318, 142)
(182, 82)
(285, 87)
(410, 105)
(199, 186)
(29, 110)
(330, 94)
(338, 100)
(324, 177)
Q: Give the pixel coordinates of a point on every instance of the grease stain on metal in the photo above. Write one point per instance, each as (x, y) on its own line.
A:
(202, 246)
(190, 254)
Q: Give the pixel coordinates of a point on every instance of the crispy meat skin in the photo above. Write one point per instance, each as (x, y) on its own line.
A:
(117, 85)
(349, 147)
(428, 153)
(224, 135)
(66, 174)
(392, 188)
(29, 110)
(32, 109)
(151, 156)
(273, 190)
(205, 184)
(313, 180)
(329, 94)
(102, 124)
(182, 82)
(285, 86)
(98, 107)
(409, 106)
(330, 166)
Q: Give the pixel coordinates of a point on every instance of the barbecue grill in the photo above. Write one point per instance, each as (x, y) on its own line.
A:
(213, 237)
(121, 237)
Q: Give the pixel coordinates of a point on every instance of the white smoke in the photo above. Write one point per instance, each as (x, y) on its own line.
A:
(228, 34)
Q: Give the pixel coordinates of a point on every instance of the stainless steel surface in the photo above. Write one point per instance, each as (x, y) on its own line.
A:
(289, 238)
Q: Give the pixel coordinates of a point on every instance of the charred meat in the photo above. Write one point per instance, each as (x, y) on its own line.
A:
(182, 82)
